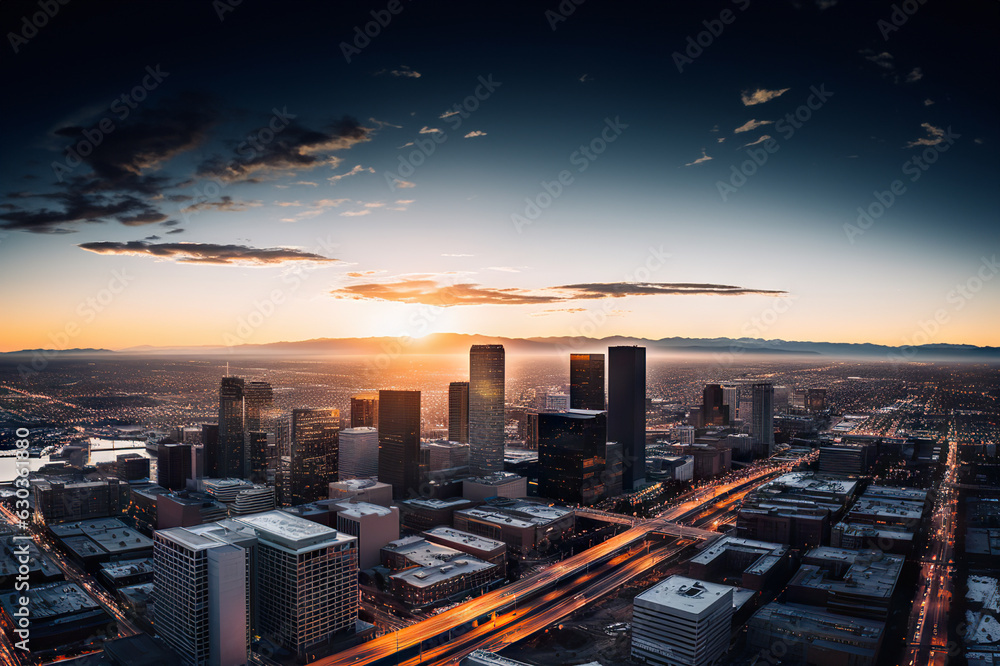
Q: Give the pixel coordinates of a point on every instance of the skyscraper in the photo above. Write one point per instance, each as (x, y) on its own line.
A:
(200, 588)
(627, 411)
(713, 409)
(233, 461)
(364, 410)
(458, 412)
(173, 465)
(486, 409)
(762, 417)
(210, 444)
(731, 399)
(259, 403)
(571, 455)
(586, 381)
(358, 453)
(313, 455)
(258, 445)
(399, 442)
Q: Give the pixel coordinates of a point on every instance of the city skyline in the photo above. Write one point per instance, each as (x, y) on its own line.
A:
(412, 193)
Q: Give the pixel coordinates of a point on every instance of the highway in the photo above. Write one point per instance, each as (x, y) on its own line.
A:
(443, 624)
(927, 633)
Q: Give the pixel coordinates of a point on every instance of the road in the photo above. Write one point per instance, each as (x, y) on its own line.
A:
(528, 588)
(927, 632)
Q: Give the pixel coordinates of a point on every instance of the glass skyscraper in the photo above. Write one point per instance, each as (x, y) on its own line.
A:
(486, 409)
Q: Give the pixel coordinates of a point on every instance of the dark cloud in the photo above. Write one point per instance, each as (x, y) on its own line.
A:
(205, 253)
(175, 231)
(226, 203)
(76, 207)
(428, 291)
(293, 147)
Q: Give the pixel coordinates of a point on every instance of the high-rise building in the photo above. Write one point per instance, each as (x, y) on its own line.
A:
(364, 410)
(201, 593)
(399, 442)
(210, 445)
(306, 583)
(627, 411)
(713, 409)
(259, 444)
(731, 399)
(682, 622)
(816, 399)
(572, 447)
(586, 381)
(233, 461)
(259, 405)
(313, 454)
(173, 465)
(762, 417)
(486, 409)
(358, 453)
(458, 412)
(556, 402)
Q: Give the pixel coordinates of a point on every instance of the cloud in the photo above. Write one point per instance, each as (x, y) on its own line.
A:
(884, 59)
(448, 114)
(405, 145)
(752, 125)
(585, 78)
(721, 139)
(935, 135)
(379, 124)
(329, 203)
(175, 231)
(760, 96)
(503, 269)
(928, 102)
(375, 204)
(763, 138)
(226, 203)
(403, 70)
(353, 172)
(294, 148)
(205, 253)
(405, 202)
(825, 4)
(915, 75)
(430, 130)
(701, 160)
(305, 182)
(475, 133)
(75, 207)
(355, 213)
(403, 184)
(427, 291)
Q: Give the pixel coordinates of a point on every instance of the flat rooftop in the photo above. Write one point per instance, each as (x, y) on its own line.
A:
(452, 535)
(685, 594)
(450, 503)
(725, 543)
(888, 508)
(431, 575)
(127, 567)
(51, 601)
(809, 621)
(361, 509)
(498, 517)
(291, 531)
(421, 552)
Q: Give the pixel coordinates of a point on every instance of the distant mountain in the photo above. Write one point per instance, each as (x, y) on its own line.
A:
(723, 349)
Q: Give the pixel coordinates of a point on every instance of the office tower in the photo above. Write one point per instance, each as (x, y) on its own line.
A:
(731, 399)
(364, 410)
(586, 381)
(556, 402)
(259, 406)
(762, 417)
(173, 465)
(713, 411)
(258, 444)
(373, 525)
(572, 447)
(201, 593)
(313, 454)
(306, 583)
(210, 443)
(682, 622)
(627, 411)
(816, 399)
(358, 453)
(613, 470)
(232, 449)
(458, 412)
(486, 409)
(399, 442)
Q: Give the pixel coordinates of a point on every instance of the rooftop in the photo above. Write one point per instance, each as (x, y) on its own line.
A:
(359, 509)
(430, 575)
(51, 601)
(292, 531)
(458, 536)
(421, 552)
(685, 594)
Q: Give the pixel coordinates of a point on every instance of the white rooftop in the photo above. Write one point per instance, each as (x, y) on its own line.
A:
(689, 595)
(292, 531)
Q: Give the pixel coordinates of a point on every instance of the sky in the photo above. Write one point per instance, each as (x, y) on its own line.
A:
(211, 173)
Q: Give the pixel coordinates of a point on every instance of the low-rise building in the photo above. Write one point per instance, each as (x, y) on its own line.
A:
(812, 636)
(523, 526)
(498, 484)
(858, 583)
(758, 564)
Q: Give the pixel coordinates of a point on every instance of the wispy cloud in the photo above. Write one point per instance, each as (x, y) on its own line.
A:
(884, 59)
(935, 135)
(448, 114)
(403, 184)
(356, 213)
(915, 75)
(701, 160)
(751, 125)
(402, 70)
(429, 130)
(353, 172)
(763, 138)
(475, 133)
(760, 96)
(226, 203)
(206, 253)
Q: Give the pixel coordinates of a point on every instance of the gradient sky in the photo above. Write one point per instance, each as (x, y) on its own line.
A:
(180, 232)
